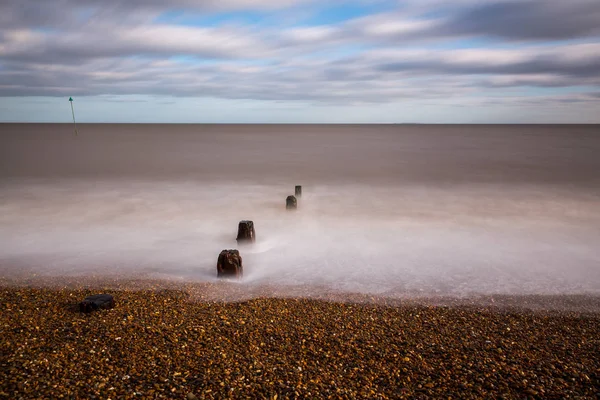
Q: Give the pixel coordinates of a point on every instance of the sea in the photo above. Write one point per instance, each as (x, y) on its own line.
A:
(386, 210)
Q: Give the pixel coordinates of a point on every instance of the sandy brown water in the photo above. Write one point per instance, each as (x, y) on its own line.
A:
(364, 154)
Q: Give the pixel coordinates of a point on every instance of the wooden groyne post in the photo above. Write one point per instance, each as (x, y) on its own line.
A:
(229, 264)
(291, 203)
(246, 232)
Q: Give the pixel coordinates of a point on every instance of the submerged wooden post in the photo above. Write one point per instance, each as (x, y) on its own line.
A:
(298, 191)
(291, 203)
(229, 264)
(246, 233)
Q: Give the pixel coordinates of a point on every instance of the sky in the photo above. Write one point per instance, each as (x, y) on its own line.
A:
(300, 61)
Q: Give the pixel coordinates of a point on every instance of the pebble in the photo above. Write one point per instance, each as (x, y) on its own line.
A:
(159, 344)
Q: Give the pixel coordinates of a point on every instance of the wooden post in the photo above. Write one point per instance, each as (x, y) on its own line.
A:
(291, 203)
(246, 233)
(229, 264)
(298, 191)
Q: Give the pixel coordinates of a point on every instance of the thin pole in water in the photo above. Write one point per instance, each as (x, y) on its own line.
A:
(73, 112)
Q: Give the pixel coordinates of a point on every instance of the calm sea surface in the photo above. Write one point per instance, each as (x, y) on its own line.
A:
(386, 209)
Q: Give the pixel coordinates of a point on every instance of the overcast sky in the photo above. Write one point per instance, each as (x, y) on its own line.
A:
(429, 61)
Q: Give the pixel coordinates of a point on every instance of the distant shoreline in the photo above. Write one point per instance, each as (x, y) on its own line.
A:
(301, 123)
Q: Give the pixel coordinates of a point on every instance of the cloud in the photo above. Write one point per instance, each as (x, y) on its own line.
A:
(61, 13)
(537, 80)
(528, 19)
(411, 53)
(312, 34)
(102, 42)
(374, 76)
(576, 60)
(531, 20)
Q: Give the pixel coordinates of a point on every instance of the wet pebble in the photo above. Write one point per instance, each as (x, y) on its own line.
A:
(159, 344)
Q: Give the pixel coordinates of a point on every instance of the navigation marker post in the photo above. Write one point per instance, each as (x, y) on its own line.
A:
(73, 112)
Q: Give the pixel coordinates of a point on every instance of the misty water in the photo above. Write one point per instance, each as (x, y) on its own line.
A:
(388, 210)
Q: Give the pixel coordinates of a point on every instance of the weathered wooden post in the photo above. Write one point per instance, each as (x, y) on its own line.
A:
(291, 203)
(298, 191)
(246, 233)
(229, 264)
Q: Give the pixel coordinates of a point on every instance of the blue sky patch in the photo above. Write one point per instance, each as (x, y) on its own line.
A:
(181, 17)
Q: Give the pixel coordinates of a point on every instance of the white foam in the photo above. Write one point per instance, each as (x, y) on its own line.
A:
(386, 240)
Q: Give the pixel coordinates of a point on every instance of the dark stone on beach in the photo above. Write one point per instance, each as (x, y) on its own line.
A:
(246, 233)
(229, 264)
(96, 302)
(298, 191)
(291, 203)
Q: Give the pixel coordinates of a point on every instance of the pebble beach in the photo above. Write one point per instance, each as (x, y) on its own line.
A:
(161, 341)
